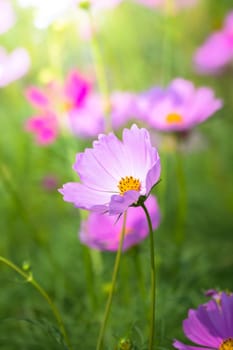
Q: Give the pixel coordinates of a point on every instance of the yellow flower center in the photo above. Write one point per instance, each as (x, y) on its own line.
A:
(65, 106)
(227, 344)
(174, 118)
(128, 183)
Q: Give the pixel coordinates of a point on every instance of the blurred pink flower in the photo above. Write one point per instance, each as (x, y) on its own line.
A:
(44, 127)
(217, 51)
(101, 231)
(123, 108)
(74, 107)
(49, 182)
(69, 106)
(178, 108)
(13, 66)
(7, 16)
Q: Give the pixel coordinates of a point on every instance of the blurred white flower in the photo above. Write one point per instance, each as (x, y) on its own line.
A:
(48, 11)
(7, 16)
(13, 65)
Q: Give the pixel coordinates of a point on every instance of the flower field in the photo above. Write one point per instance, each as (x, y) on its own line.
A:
(116, 175)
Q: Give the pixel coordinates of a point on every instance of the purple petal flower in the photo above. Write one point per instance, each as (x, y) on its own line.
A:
(13, 66)
(114, 173)
(180, 107)
(103, 232)
(213, 55)
(87, 120)
(123, 108)
(217, 51)
(210, 326)
(7, 16)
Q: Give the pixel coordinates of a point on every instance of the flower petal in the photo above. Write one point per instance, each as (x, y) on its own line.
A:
(92, 173)
(141, 154)
(153, 176)
(198, 328)
(84, 197)
(119, 204)
(37, 97)
(227, 312)
(181, 346)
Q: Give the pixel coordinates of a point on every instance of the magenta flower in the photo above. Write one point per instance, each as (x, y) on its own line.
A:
(179, 108)
(7, 16)
(217, 51)
(114, 174)
(210, 326)
(13, 66)
(103, 232)
(71, 107)
(56, 96)
(45, 128)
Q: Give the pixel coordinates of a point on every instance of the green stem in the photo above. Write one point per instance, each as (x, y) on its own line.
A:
(138, 268)
(182, 202)
(167, 44)
(29, 278)
(90, 277)
(113, 284)
(152, 258)
(101, 75)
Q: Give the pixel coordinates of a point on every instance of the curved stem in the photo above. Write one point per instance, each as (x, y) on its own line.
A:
(152, 258)
(29, 278)
(113, 284)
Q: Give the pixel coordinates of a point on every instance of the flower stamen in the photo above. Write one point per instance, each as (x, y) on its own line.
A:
(128, 183)
(227, 344)
(174, 118)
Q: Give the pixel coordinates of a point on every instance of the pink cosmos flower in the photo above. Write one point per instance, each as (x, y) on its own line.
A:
(114, 174)
(103, 232)
(63, 107)
(7, 16)
(74, 107)
(89, 121)
(210, 326)
(44, 127)
(217, 51)
(179, 108)
(13, 66)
